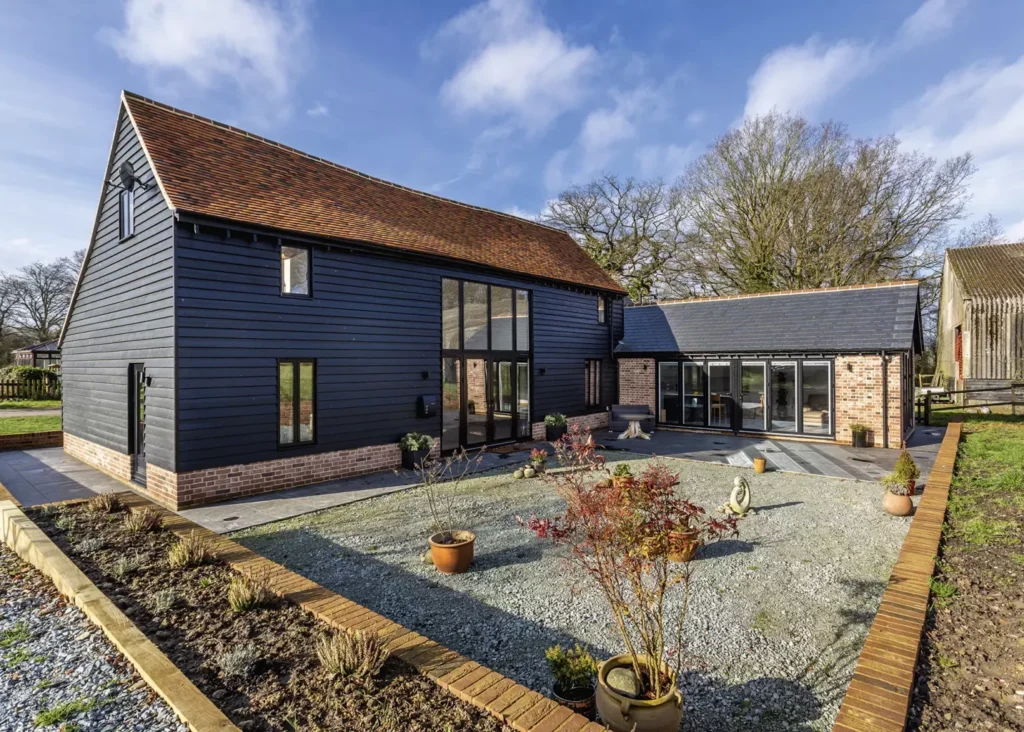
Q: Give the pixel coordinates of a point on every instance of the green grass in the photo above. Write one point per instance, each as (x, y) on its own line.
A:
(30, 404)
(23, 425)
(18, 634)
(63, 712)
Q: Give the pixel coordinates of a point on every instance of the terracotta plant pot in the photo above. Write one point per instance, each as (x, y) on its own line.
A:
(453, 558)
(897, 505)
(579, 699)
(683, 545)
(760, 464)
(622, 714)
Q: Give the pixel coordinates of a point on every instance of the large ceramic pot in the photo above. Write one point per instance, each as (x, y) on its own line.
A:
(554, 433)
(897, 505)
(760, 464)
(412, 459)
(683, 545)
(622, 714)
(579, 699)
(454, 557)
(860, 439)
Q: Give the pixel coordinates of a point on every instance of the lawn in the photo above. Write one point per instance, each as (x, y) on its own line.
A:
(977, 677)
(30, 404)
(22, 425)
(777, 616)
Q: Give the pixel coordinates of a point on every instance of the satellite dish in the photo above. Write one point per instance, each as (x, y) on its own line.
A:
(127, 174)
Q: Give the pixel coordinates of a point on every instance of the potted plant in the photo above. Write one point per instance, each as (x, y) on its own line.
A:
(538, 459)
(897, 496)
(574, 670)
(617, 533)
(860, 434)
(907, 471)
(555, 426)
(451, 545)
(415, 449)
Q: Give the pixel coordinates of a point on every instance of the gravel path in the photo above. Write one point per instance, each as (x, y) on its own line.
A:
(53, 660)
(777, 616)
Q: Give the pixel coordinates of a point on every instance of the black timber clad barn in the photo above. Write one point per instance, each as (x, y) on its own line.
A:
(216, 347)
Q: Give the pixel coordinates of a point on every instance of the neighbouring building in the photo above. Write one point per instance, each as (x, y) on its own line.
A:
(251, 318)
(801, 364)
(981, 320)
(41, 355)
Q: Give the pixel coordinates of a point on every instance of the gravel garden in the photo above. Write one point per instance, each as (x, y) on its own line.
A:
(775, 614)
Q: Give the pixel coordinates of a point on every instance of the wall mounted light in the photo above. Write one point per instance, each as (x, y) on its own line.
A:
(645, 365)
(425, 375)
(541, 372)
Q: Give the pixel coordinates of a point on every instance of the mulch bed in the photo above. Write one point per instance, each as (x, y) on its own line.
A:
(970, 673)
(287, 688)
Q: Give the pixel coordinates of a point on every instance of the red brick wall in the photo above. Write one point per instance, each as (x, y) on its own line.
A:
(109, 461)
(595, 421)
(636, 383)
(31, 440)
(859, 398)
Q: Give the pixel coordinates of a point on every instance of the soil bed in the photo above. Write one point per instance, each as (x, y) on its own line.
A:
(970, 672)
(286, 688)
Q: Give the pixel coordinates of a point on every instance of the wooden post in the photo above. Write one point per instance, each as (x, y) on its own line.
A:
(928, 409)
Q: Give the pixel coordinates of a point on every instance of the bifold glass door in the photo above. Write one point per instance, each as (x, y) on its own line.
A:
(783, 399)
(720, 392)
(752, 383)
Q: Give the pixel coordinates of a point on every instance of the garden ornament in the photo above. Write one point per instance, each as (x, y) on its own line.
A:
(739, 500)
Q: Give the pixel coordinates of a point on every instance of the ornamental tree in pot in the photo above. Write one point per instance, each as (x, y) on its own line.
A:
(451, 545)
(415, 449)
(575, 671)
(618, 533)
(907, 471)
(896, 501)
(555, 426)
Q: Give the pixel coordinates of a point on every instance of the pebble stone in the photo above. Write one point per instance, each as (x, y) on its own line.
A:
(66, 659)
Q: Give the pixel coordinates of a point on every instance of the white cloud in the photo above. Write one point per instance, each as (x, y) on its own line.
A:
(521, 213)
(318, 110)
(667, 162)
(933, 19)
(977, 109)
(253, 43)
(517, 65)
(696, 118)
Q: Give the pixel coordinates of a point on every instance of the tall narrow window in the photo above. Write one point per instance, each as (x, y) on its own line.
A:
(816, 397)
(296, 397)
(522, 320)
(501, 319)
(600, 309)
(126, 213)
(450, 327)
(295, 270)
(592, 374)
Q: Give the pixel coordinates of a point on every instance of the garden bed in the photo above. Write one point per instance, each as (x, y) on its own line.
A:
(777, 616)
(970, 673)
(194, 626)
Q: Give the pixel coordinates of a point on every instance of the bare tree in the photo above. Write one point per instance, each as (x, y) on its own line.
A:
(43, 292)
(8, 305)
(628, 226)
(780, 204)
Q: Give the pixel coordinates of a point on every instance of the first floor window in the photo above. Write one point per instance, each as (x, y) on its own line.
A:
(295, 270)
(296, 394)
(600, 309)
(126, 213)
(592, 374)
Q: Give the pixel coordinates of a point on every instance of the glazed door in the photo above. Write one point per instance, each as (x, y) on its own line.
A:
(720, 394)
(476, 403)
(137, 420)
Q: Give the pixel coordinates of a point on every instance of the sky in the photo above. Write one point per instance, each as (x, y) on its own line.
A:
(500, 103)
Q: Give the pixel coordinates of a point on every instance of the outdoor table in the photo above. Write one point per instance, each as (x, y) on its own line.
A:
(634, 426)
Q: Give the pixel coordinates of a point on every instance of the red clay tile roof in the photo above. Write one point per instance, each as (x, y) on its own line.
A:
(211, 169)
(990, 270)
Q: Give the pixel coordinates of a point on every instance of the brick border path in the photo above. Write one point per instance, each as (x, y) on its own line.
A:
(878, 697)
(514, 704)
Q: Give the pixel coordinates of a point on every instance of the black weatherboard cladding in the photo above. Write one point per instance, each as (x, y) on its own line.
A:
(373, 325)
(123, 314)
(868, 319)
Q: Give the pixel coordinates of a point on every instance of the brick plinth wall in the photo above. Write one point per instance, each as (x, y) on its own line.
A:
(595, 421)
(109, 461)
(859, 398)
(31, 440)
(636, 382)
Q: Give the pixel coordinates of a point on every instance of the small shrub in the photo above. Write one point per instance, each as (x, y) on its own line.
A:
(622, 471)
(357, 655)
(555, 420)
(103, 503)
(63, 712)
(238, 662)
(247, 593)
(414, 441)
(190, 551)
(896, 485)
(858, 427)
(205, 581)
(66, 522)
(572, 668)
(164, 600)
(906, 469)
(141, 520)
(88, 546)
(125, 565)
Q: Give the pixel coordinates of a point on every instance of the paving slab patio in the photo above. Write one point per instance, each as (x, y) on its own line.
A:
(46, 475)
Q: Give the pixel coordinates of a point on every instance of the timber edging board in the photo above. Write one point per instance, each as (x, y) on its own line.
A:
(514, 704)
(30, 543)
(878, 698)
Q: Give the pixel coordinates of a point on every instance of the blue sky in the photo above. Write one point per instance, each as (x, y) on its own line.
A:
(499, 103)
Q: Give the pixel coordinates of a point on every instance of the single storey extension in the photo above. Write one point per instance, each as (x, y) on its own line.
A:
(806, 363)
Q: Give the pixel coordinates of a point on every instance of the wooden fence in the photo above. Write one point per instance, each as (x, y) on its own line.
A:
(30, 389)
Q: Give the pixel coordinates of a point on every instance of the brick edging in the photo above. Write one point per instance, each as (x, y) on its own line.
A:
(512, 703)
(33, 546)
(32, 440)
(878, 698)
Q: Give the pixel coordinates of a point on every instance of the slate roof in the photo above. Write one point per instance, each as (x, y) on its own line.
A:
(39, 347)
(208, 168)
(991, 270)
(867, 318)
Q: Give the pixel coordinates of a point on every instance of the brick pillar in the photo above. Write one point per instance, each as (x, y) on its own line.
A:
(636, 382)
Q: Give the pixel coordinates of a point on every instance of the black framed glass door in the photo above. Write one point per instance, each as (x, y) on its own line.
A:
(720, 401)
(137, 420)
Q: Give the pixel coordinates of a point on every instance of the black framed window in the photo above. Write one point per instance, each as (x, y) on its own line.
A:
(296, 401)
(601, 305)
(592, 375)
(296, 270)
(126, 213)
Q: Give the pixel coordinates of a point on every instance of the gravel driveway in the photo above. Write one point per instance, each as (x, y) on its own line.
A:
(777, 616)
(54, 662)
